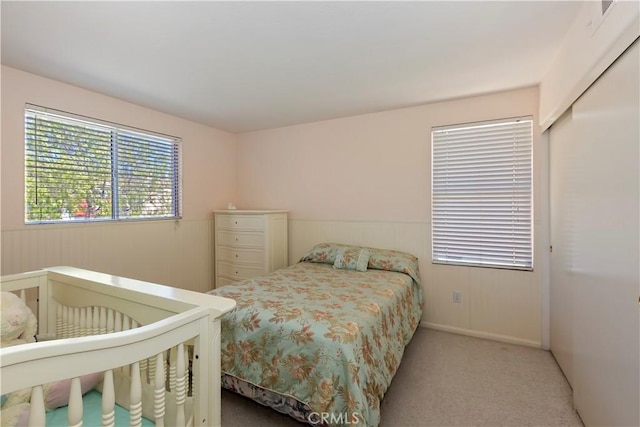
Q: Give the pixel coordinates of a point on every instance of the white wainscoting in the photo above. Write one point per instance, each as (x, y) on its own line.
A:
(412, 237)
(503, 305)
(175, 253)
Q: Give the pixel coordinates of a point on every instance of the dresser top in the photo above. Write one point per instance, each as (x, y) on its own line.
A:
(248, 211)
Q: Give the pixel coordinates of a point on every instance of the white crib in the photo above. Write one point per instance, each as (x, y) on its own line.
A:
(115, 325)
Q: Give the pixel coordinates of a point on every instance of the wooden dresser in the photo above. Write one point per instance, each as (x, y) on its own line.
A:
(249, 243)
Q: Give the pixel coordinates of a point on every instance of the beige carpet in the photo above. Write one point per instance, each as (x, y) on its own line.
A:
(453, 380)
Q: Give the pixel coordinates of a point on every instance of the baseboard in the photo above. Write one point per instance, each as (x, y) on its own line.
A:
(481, 334)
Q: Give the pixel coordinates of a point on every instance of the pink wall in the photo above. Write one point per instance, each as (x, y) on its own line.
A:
(209, 155)
(368, 167)
(175, 253)
(365, 180)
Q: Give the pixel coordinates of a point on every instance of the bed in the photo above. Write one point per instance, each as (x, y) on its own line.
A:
(321, 340)
(154, 348)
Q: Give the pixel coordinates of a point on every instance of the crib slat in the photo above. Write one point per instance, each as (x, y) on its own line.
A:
(36, 410)
(189, 381)
(76, 322)
(158, 394)
(83, 321)
(88, 321)
(108, 400)
(65, 322)
(103, 320)
(151, 369)
(118, 322)
(144, 370)
(135, 396)
(181, 392)
(23, 296)
(59, 320)
(194, 381)
(172, 369)
(110, 320)
(95, 326)
(74, 414)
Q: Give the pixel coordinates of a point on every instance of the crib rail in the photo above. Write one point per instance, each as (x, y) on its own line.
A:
(85, 355)
(96, 318)
(73, 357)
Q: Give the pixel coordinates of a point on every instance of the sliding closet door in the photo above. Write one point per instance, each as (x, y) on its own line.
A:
(602, 256)
(562, 165)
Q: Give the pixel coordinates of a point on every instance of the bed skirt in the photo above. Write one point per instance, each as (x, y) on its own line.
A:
(284, 404)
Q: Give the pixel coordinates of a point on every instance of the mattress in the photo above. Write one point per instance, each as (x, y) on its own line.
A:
(92, 413)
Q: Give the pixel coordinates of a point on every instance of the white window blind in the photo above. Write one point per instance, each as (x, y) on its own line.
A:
(82, 169)
(482, 194)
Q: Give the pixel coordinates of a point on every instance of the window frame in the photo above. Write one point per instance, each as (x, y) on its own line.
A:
(445, 250)
(115, 129)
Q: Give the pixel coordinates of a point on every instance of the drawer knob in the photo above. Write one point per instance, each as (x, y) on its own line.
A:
(236, 272)
(236, 239)
(236, 255)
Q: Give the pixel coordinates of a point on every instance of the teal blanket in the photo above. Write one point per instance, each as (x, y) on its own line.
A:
(332, 339)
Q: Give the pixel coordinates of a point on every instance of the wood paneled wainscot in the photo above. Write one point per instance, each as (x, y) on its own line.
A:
(249, 243)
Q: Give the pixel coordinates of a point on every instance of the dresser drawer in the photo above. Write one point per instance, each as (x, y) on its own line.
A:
(226, 253)
(233, 271)
(240, 222)
(231, 238)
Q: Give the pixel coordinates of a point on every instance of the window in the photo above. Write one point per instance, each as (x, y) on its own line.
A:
(482, 194)
(81, 169)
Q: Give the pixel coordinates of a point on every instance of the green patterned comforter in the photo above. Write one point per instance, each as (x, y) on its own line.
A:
(332, 339)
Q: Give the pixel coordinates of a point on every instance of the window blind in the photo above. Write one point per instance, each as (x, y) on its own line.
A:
(482, 194)
(86, 169)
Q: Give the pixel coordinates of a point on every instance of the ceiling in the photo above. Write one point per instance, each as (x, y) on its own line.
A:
(244, 66)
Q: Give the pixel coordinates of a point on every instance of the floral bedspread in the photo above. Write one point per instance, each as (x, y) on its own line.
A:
(332, 339)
